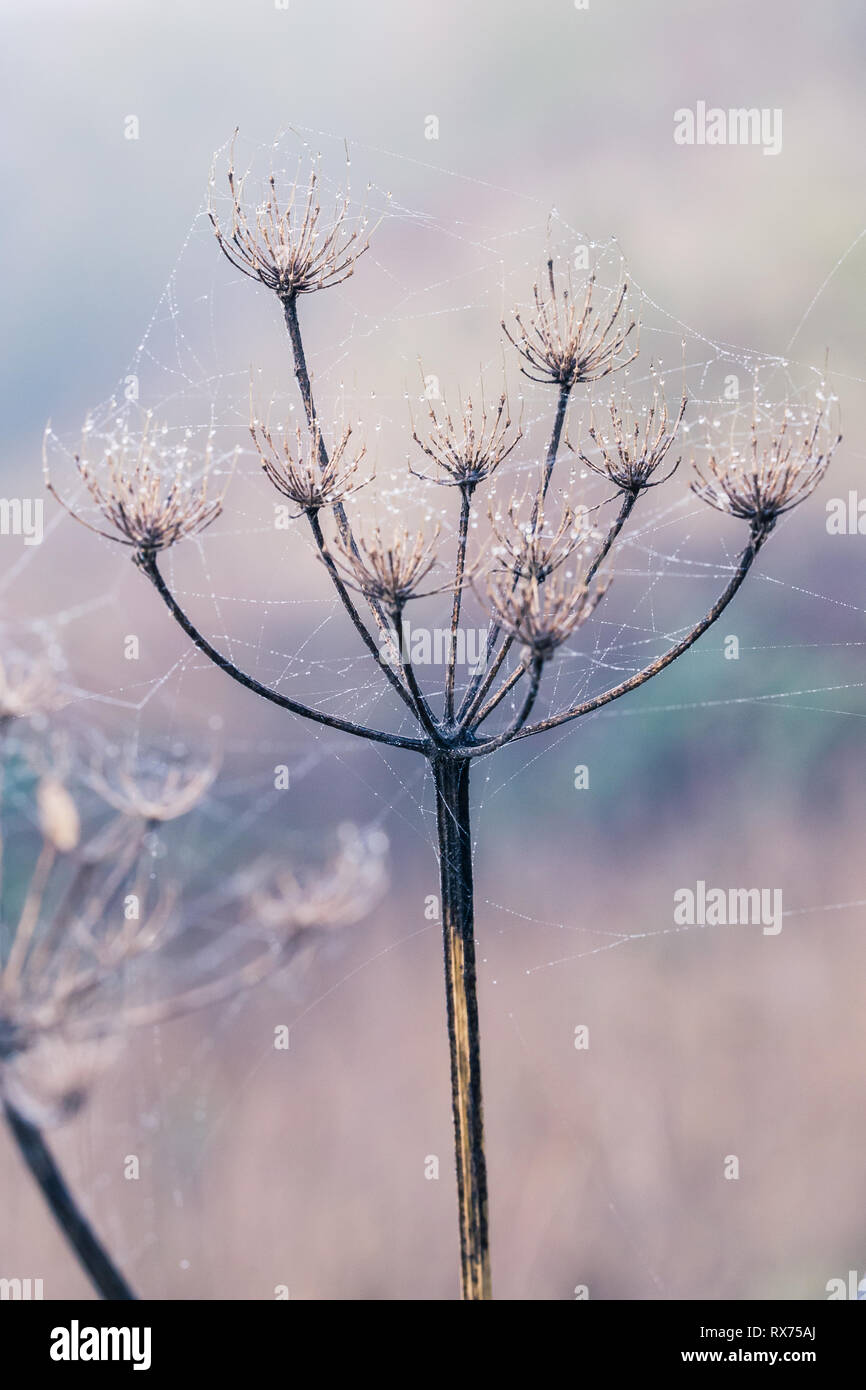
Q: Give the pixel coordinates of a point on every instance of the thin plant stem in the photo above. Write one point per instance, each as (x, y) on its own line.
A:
(302, 376)
(354, 615)
(481, 683)
(104, 1274)
(459, 572)
(744, 564)
(147, 563)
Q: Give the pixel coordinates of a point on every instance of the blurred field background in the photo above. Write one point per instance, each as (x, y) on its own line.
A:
(264, 1168)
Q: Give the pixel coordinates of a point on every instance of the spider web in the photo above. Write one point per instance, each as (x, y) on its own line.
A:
(425, 303)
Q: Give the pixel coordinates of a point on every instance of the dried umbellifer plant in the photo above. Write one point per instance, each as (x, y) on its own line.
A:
(91, 911)
(545, 575)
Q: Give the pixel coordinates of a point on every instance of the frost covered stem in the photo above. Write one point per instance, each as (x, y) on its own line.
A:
(451, 778)
(105, 1275)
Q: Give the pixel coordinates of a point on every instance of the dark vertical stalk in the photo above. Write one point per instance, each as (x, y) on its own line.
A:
(455, 870)
(92, 1255)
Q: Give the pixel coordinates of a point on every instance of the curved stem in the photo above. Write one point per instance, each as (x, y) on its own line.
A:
(757, 539)
(147, 563)
(94, 1258)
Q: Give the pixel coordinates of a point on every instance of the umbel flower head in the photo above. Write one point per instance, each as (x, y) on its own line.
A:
(146, 494)
(388, 571)
(634, 449)
(150, 789)
(568, 340)
(69, 939)
(288, 244)
(469, 450)
(27, 687)
(771, 475)
(541, 615)
(532, 550)
(71, 949)
(307, 475)
(339, 894)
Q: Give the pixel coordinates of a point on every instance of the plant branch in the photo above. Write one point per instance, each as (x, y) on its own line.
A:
(626, 507)
(422, 709)
(302, 375)
(459, 572)
(508, 684)
(520, 718)
(147, 562)
(94, 1258)
(759, 534)
(480, 684)
(354, 616)
(553, 445)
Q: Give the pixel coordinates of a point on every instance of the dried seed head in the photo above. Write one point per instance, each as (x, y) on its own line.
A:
(336, 897)
(470, 450)
(634, 449)
(388, 572)
(529, 549)
(150, 789)
(290, 246)
(302, 476)
(567, 341)
(771, 476)
(69, 941)
(27, 687)
(147, 495)
(541, 615)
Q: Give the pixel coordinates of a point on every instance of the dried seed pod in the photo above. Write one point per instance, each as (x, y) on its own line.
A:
(530, 549)
(308, 477)
(635, 447)
(469, 450)
(291, 246)
(388, 571)
(772, 475)
(148, 496)
(565, 341)
(541, 615)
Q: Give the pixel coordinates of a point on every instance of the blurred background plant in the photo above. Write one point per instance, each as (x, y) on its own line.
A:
(95, 937)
